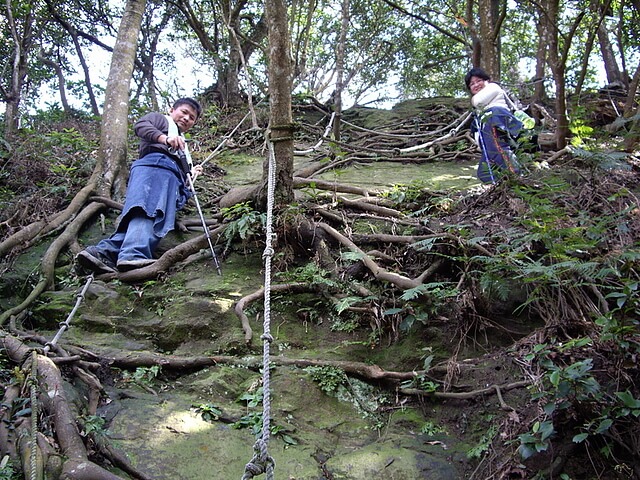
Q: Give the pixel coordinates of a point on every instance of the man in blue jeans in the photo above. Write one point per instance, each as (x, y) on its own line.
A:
(157, 189)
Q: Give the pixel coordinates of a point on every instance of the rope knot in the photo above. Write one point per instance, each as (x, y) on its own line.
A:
(266, 337)
(268, 252)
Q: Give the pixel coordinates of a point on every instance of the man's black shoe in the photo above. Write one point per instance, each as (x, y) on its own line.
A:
(92, 259)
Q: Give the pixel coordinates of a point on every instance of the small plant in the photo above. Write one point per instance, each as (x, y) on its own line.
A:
(329, 379)
(93, 425)
(209, 412)
(311, 274)
(253, 420)
(404, 193)
(243, 222)
(483, 445)
(7, 472)
(421, 382)
(431, 429)
(143, 376)
(537, 440)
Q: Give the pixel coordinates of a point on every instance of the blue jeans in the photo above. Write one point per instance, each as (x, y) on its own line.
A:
(135, 241)
(496, 125)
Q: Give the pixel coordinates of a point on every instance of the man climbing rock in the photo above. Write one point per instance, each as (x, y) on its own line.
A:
(157, 189)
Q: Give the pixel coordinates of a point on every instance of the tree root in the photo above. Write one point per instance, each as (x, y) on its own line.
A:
(242, 303)
(469, 395)
(55, 407)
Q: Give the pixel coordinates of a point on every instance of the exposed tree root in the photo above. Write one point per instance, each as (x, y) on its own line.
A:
(52, 398)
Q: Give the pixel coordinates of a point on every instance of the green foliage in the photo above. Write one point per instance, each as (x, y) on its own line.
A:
(537, 440)
(7, 470)
(405, 193)
(253, 420)
(347, 324)
(573, 388)
(581, 131)
(438, 290)
(603, 160)
(431, 429)
(253, 398)
(208, 411)
(311, 274)
(421, 381)
(328, 378)
(142, 376)
(242, 222)
(438, 294)
(70, 140)
(93, 425)
(483, 444)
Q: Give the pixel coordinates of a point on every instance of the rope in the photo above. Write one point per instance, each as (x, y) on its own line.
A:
(317, 145)
(225, 139)
(67, 323)
(261, 461)
(33, 458)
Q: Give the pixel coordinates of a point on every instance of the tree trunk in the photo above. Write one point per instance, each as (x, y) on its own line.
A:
(281, 124)
(630, 109)
(490, 24)
(539, 94)
(73, 33)
(611, 67)
(112, 156)
(340, 54)
(22, 36)
(558, 53)
(150, 33)
(61, 81)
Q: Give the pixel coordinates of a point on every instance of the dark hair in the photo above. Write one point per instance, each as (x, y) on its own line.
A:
(191, 102)
(475, 72)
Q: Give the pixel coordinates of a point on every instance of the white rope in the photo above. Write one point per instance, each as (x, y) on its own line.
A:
(225, 139)
(67, 323)
(261, 461)
(317, 145)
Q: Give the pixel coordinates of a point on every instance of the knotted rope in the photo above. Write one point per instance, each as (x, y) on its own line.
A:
(261, 461)
(33, 394)
(67, 323)
(33, 382)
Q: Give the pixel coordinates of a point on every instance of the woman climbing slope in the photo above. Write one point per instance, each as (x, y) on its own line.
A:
(494, 125)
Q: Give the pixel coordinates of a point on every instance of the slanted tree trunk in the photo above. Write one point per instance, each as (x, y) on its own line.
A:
(43, 57)
(281, 124)
(631, 109)
(74, 34)
(112, 155)
(150, 33)
(609, 58)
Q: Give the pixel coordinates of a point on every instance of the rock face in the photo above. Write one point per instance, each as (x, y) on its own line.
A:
(348, 430)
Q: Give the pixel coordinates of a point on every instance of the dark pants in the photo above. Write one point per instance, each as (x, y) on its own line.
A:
(496, 127)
